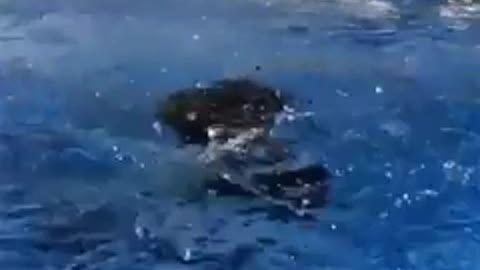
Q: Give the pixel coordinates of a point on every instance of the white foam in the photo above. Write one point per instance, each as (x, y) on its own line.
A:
(158, 128)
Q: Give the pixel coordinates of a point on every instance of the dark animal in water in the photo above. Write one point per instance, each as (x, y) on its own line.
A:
(232, 119)
(231, 104)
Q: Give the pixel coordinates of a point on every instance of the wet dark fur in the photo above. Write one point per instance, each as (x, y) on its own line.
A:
(275, 183)
(231, 103)
(241, 104)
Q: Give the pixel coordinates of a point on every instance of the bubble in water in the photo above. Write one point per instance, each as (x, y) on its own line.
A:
(350, 167)
(157, 127)
(449, 164)
(429, 192)
(187, 256)
(342, 93)
(305, 202)
(398, 203)
(141, 232)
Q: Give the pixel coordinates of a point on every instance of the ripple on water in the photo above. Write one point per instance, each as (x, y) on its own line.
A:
(97, 193)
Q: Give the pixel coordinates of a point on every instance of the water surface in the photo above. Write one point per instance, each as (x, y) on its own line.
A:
(86, 183)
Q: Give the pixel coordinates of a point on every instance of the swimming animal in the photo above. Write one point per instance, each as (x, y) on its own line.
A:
(227, 105)
(232, 120)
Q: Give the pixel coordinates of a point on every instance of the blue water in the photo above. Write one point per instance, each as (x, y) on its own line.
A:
(86, 183)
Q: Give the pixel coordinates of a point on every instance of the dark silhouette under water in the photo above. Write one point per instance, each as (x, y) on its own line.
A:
(241, 112)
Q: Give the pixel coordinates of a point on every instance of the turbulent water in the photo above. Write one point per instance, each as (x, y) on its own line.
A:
(87, 183)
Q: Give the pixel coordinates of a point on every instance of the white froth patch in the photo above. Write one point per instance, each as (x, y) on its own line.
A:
(457, 173)
(289, 114)
(465, 9)
(373, 9)
(216, 149)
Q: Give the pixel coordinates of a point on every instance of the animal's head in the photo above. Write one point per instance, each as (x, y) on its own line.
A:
(232, 104)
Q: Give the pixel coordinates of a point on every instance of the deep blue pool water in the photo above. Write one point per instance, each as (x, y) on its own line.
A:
(86, 183)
